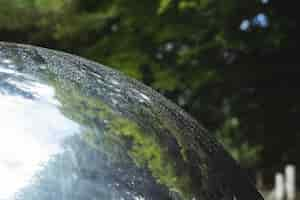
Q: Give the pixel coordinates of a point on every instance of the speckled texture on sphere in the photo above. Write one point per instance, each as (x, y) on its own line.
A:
(72, 129)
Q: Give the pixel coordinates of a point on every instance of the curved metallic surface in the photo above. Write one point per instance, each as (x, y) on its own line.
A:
(72, 129)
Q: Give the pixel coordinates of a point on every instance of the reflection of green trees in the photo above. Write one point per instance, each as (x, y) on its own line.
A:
(122, 139)
(147, 152)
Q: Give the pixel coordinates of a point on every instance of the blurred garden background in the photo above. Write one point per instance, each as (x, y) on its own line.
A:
(233, 65)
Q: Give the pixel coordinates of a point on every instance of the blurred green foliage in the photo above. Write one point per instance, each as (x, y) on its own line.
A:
(193, 51)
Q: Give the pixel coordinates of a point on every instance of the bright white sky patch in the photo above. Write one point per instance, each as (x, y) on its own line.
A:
(245, 25)
(261, 20)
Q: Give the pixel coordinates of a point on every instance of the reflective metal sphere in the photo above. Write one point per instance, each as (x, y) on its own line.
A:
(72, 129)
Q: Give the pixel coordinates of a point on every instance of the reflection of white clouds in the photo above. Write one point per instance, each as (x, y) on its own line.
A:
(12, 66)
(7, 61)
(141, 96)
(6, 70)
(42, 92)
(114, 81)
(31, 131)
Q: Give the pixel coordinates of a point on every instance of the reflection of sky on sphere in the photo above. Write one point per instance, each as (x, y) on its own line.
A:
(28, 138)
(73, 129)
